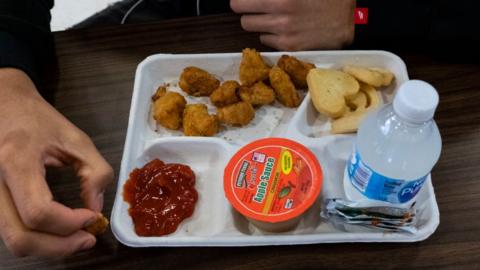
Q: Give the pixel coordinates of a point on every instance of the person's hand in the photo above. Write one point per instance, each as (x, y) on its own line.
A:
(293, 25)
(34, 135)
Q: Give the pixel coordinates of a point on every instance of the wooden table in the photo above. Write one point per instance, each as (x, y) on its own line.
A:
(93, 88)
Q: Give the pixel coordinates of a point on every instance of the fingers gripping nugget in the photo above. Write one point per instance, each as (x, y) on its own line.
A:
(259, 94)
(197, 121)
(197, 82)
(168, 108)
(238, 114)
(284, 89)
(296, 69)
(226, 94)
(252, 68)
(99, 226)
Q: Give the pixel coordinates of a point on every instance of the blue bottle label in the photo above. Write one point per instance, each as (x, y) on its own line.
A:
(378, 187)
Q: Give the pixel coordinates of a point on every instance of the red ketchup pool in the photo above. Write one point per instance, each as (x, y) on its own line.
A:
(161, 196)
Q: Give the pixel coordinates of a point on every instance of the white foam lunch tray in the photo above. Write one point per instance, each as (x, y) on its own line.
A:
(214, 222)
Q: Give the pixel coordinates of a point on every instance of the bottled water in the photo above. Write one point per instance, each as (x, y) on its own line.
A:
(396, 147)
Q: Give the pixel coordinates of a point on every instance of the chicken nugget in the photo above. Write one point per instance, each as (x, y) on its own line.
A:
(238, 114)
(252, 68)
(259, 94)
(197, 121)
(161, 90)
(99, 226)
(284, 89)
(197, 82)
(168, 110)
(296, 69)
(226, 94)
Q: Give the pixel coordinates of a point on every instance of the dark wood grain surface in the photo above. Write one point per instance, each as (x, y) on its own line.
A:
(93, 87)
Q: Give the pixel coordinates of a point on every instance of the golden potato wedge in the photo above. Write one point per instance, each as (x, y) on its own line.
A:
(373, 98)
(376, 77)
(358, 101)
(328, 89)
(348, 123)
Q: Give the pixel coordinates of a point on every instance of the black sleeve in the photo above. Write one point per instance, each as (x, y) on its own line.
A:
(428, 25)
(25, 38)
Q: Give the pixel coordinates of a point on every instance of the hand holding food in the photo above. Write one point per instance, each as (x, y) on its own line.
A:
(197, 82)
(99, 226)
(284, 89)
(34, 136)
(197, 121)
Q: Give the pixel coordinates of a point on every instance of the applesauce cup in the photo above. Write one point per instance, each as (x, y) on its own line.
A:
(272, 182)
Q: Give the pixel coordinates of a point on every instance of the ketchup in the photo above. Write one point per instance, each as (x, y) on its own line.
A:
(161, 196)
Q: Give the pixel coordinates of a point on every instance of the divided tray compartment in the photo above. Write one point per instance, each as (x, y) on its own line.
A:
(215, 222)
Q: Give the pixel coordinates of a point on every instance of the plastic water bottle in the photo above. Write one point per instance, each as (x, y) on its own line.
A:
(396, 147)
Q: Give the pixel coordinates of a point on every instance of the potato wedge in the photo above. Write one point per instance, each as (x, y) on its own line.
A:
(349, 122)
(373, 98)
(358, 101)
(376, 77)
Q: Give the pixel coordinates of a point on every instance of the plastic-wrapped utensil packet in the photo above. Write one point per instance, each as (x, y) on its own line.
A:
(342, 213)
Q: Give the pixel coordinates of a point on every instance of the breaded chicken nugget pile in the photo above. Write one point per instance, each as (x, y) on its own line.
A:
(260, 84)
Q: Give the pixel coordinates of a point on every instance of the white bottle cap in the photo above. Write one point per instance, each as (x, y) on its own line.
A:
(415, 101)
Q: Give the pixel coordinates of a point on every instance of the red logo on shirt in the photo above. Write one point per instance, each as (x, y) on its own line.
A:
(361, 16)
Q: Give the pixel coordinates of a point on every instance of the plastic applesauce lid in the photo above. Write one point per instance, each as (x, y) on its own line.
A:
(272, 180)
(415, 101)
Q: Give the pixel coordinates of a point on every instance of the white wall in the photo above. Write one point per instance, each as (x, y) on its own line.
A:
(67, 13)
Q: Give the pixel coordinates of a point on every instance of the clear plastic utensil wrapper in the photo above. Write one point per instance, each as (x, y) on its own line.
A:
(342, 213)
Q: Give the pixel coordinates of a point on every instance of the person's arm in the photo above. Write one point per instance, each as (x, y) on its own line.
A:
(33, 136)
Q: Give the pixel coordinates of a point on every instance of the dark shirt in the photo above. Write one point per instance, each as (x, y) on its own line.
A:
(25, 38)
(432, 25)
(441, 27)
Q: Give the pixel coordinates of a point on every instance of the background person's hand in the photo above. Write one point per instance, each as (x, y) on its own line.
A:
(34, 135)
(293, 25)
